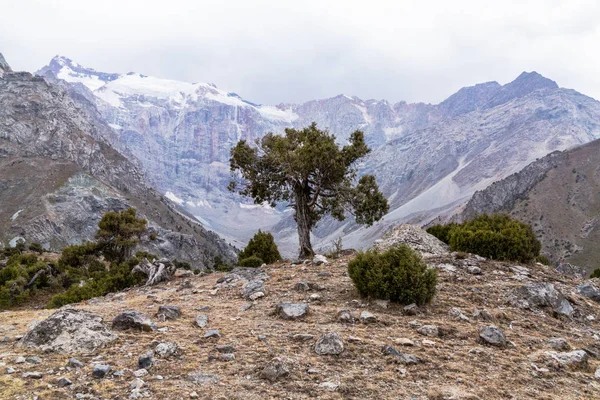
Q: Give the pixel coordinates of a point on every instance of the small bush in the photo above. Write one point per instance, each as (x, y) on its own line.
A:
(498, 237)
(16, 276)
(251, 262)
(336, 249)
(36, 247)
(263, 246)
(596, 273)
(220, 265)
(399, 274)
(542, 259)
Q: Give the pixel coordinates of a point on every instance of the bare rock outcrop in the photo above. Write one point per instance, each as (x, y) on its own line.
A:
(69, 331)
(415, 238)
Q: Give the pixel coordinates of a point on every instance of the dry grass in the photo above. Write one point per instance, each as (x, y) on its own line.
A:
(452, 369)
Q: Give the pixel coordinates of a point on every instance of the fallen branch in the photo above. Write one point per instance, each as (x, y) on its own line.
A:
(157, 271)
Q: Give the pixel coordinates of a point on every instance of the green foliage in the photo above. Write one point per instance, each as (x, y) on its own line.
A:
(220, 265)
(36, 247)
(498, 237)
(398, 274)
(15, 278)
(309, 170)
(442, 232)
(542, 259)
(251, 262)
(596, 273)
(118, 233)
(263, 246)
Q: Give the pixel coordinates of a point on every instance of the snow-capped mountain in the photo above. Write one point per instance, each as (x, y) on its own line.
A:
(426, 157)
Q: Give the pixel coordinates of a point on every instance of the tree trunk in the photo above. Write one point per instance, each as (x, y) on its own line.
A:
(304, 223)
(156, 271)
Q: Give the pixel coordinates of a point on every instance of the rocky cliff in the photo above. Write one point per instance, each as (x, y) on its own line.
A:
(59, 174)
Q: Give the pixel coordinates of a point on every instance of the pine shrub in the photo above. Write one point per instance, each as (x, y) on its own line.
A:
(498, 237)
(251, 262)
(398, 274)
(596, 273)
(262, 246)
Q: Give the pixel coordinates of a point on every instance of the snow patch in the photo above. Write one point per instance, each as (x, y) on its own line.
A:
(365, 113)
(274, 113)
(15, 215)
(171, 196)
(115, 126)
(14, 241)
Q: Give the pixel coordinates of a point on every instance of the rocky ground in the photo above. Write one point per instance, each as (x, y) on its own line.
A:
(494, 331)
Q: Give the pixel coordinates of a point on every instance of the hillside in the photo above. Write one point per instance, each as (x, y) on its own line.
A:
(59, 174)
(558, 196)
(428, 158)
(259, 355)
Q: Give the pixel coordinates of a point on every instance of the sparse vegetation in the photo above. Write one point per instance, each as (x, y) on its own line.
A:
(498, 237)
(336, 249)
(251, 262)
(542, 259)
(22, 276)
(595, 273)
(398, 274)
(261, 246)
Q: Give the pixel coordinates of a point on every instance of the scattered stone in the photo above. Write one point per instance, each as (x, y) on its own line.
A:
(118, 373)
(404, 342)
(407, 359)
(566, 268)
(589, 290)
(427, 342)
(292, 311)
(75, 363)
(20, 360)
(345, 316)
(303, 337)
(202, 320)
(145, 361)
(517, 269)
(325, 274)
(330, 343)
(277, 368)
(390, 351)
(225, 348)
(411, 309)
(166, 349)
(212, 334)
(597, 373)
(315, 297)
(245, 307)
(331, 386)
(384, 304)
(458, 315)
(429, 330)
(493, 336)
(62, 382)
(559, 344)
(226, 357)
(140, 373)
(302, 286)
(367, 318)
(474, 270)
(10, 370)
(33, 360)
(133, 320)
(545, 295)
(254, 289)
(200, 378)
(194, 395)
(69, 331)
(319, 259)
(137, 383)
(354, 339)
(100, 370)
(256, 295)
(577, 359)
(482, 315)
(168, 313)
(32, 375)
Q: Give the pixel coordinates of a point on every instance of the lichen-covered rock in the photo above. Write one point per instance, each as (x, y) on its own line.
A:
(576, 359)
(292, 311)
(329, 344)
(589, 290)
(544, 294)
(493, 336)
(168, 313)
(69, 331)
(415, 238)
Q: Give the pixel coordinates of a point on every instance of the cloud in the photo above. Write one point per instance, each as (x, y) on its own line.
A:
(292, 51)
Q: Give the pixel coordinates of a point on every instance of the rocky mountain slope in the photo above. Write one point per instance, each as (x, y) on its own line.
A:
(558, 196)
(427, 158)
(493, 331)
(59, 174)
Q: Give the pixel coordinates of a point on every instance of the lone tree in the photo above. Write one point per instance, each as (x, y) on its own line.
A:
(119, 233)
(307, 169)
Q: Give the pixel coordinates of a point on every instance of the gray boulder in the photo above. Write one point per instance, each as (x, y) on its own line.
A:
(415, 238)
(493, 336)
(542, 294)
(133, 320)
(69, 331)
(166, 349)
(275, 369)
(292, 311)
(329, 344)
(576, 359)
(168, 313)
(589, 290)
(559, 344)
(429, 330)
(253, 289)
(202, 320)
(100, 370)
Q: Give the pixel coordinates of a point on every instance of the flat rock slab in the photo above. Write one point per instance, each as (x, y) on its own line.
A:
(292, 311)
(545, 295)
(69, 331)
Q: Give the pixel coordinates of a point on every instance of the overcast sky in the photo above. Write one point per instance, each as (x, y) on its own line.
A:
(291, 51)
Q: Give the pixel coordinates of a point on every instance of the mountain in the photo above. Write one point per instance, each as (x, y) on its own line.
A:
(558, 196)
(59, 174)
(428, 159)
